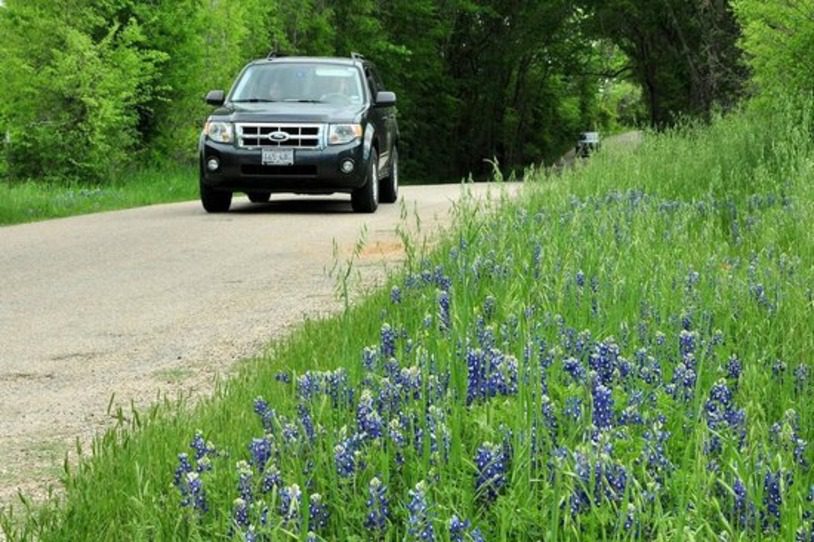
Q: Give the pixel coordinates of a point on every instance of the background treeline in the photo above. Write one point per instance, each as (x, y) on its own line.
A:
(90, 88)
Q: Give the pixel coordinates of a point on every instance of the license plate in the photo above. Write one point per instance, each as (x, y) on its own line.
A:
(278, 157)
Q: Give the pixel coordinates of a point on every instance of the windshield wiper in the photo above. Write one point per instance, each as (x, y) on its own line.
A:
(254, 100)
(293, 100)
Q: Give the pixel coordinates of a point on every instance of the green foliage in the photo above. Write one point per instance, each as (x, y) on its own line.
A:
(94, 85)
(779, 38)
(682, 53)
(684, 228)
(70, 103)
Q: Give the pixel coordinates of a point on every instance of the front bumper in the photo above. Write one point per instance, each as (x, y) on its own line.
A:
(315, 171)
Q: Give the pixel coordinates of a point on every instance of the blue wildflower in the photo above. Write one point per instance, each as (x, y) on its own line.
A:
(445, 321)
(378, 507)
(387, 341)
(489, 305)
(734, 368)
(290, 502)
(240, 513)
(318, 513)
(267, 415)
(271, 480)
(283, 377)
(368, 419)
(574, 368)
(602, 407)
(491, 467)
(419, 526)
(193, 493)
(395, 295)
(458, 528)
(306, 422)
(260, 453)
(244, 482)
(772, 500)
(579, 278)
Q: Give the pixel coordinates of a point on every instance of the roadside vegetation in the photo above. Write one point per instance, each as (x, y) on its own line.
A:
(620, 353)
(29, 201)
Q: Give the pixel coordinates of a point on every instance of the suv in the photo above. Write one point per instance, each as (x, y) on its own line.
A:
(588, 142)
(302, 125)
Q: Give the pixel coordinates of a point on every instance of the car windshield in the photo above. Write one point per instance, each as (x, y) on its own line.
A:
(299, 82)
(589, 137)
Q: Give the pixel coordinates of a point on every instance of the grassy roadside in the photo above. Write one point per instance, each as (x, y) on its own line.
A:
(621, 354)
(33, 201)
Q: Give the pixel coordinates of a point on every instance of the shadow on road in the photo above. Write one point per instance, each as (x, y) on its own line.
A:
(293, 206)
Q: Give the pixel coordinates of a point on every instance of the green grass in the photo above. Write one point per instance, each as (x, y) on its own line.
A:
(701, 235)
(30, 201)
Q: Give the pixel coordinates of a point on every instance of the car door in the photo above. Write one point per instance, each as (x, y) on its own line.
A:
(383, 119)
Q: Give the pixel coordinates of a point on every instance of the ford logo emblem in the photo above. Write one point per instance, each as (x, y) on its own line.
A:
(279, 136)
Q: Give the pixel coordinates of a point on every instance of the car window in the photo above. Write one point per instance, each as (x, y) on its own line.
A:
(299, 82)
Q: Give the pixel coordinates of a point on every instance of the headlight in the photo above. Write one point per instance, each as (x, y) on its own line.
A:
(220, 132)
(339, 134)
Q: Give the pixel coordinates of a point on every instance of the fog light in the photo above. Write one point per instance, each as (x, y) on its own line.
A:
(213, 164)
(347, 166)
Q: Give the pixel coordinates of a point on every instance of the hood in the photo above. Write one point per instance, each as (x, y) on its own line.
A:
(289, 112)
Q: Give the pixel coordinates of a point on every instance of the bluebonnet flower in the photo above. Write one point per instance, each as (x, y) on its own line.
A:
(378, 507)
(271, 480)
(579, 278)
(604, 361)
(201, 447)
(184, 467)
(368, 419)
(306, 422)
(438, 430)
(283, 377)
(492, 466)
(573, 408)
(801, 376)
(387, 341)
(291, 433)
(240, 513)
(444, 317)
(260, 453)
(250, 535)
(734, 368)
(490, 374)
(630, 517)
(772, 500)
(193, 493)
(489, 305)
(290, 502)
(692, 279)
(654, 452)
(420, 525)
(267, 414)
(395, 295)
(687, 341)
(574, 368)
(779, 369)
(369, 358)
(477, 536)
(549, 416)
(602, 399)
(661, 338)
(457, 528)
(318, 513)
(409, 379)
(244, 482)
(346, 457)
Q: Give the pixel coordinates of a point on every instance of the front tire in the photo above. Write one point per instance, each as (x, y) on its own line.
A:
(389, 188)
(214, 201)
(366, 199)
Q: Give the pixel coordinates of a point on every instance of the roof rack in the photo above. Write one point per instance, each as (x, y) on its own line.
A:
(356, 56)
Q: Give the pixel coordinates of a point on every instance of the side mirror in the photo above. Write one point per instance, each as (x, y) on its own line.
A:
(215, 97)
(385, 99)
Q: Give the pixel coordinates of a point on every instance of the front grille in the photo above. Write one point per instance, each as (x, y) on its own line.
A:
(287, 171)
(297, 136)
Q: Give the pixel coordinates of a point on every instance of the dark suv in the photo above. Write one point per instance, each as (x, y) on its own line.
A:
(305, 125)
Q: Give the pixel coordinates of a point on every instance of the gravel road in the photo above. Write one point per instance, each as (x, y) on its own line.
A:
(161, 300)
